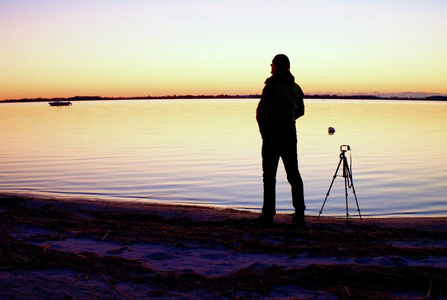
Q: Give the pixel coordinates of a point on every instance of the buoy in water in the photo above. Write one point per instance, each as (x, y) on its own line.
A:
(331, 130)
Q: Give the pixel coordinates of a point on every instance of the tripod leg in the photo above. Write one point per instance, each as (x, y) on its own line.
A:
(345, 175)
(353, 191)
(329, 190)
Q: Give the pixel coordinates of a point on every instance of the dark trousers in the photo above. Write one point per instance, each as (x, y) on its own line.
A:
(281, 142)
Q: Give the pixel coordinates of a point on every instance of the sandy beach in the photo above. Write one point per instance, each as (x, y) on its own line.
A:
(86, 249)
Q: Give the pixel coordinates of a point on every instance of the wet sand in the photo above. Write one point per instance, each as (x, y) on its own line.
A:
(79, 249)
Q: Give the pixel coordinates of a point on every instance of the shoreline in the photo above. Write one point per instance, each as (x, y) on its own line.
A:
(141, 203)
(433, 97)
(70, 248)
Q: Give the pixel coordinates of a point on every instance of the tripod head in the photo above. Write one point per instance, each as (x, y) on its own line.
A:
(344, 148)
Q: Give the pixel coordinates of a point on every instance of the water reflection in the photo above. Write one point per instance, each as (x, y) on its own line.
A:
(208, 152)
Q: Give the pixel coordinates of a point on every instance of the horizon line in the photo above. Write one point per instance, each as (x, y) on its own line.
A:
(384, 96)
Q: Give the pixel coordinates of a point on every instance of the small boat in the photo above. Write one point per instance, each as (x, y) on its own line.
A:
(60, 103)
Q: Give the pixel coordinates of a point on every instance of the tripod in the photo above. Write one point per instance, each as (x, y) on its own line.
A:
(347, 174)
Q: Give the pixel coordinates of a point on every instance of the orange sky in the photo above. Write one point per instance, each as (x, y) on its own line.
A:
(137, 48)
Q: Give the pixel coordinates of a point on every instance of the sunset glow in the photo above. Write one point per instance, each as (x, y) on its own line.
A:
(55, 48)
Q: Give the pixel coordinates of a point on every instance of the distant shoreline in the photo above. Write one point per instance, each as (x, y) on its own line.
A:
(254, 96)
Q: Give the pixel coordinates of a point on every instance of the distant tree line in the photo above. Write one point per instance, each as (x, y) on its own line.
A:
(222, 96)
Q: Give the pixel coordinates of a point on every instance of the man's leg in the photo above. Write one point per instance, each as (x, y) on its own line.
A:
(270, 159)
(290, 160)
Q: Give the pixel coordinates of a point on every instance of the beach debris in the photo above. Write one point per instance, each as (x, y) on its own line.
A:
(114, 287)
(107, 233)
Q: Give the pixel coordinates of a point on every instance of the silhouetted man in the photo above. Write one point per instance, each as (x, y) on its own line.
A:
(280, 105)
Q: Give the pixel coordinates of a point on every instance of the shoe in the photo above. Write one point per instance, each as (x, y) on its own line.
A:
(298, 218)
(264, 220)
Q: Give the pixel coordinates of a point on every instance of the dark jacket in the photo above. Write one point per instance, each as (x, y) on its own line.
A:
(281, 102)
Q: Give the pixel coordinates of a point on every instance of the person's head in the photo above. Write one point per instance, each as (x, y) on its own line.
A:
(280, 63)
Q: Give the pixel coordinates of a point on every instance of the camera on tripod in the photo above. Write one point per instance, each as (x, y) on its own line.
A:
(347, 175)
(344, 148)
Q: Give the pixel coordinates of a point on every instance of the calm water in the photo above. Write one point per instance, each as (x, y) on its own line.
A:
(207, 152)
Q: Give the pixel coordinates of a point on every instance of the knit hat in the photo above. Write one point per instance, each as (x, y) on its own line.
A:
(282, 62)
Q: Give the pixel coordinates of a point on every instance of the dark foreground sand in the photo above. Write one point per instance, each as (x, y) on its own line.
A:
(69, 249)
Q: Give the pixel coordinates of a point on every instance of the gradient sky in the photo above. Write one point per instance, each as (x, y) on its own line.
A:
(63, 48)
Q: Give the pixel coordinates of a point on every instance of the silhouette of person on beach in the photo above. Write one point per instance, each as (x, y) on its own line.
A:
(280, 105)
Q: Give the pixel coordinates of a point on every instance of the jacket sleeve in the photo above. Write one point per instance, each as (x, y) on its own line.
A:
(265, 109)
(298, 101)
